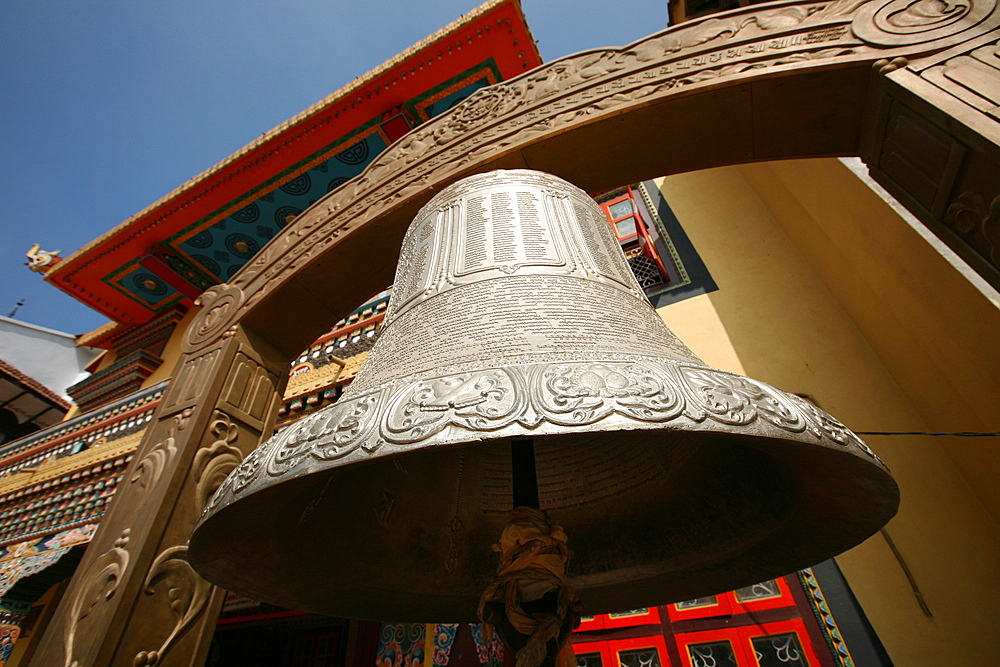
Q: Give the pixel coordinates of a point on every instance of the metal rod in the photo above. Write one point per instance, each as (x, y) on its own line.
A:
(525, 482)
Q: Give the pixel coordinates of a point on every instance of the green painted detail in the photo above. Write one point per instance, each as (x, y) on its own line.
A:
(220, 243)
(675, 257)
(213, 248)
(14, 607)
(254, 193)
(439, 98)
(831, 633)
(140, 285)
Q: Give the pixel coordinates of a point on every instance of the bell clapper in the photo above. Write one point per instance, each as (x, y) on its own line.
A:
(524, 480)
(530, 602)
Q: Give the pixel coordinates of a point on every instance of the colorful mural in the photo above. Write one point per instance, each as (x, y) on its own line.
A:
(407, 644)
(439, 99)
(401, 645)
(444, 639)
(111, 422)
(491, 655)
(8, 635)
(26, 558)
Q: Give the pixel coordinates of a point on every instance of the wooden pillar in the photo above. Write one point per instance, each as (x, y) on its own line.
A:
(932, 139)
(134, 600)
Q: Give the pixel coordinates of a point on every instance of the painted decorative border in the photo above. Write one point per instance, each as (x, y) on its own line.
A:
(306, 165)
(828, 625)
(486, 70)
(26, 558)
(116, 279)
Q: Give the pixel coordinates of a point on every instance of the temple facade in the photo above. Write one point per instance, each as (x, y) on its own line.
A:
(804, 273)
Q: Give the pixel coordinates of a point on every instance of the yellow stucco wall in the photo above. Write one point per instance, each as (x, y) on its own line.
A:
(172, 350)
(824, 290)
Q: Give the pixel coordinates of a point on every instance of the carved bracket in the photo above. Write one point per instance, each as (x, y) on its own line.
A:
(212, 464)
(99, 585)
(187, 594)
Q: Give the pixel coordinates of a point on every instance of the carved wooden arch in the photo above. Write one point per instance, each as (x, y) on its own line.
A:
(909, 85)
(786, 80)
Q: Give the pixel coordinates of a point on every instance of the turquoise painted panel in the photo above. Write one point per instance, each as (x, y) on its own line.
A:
(222, 249)
(146, 287)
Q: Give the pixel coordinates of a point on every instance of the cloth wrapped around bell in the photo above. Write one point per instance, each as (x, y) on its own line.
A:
(514, 315)
(531, 603)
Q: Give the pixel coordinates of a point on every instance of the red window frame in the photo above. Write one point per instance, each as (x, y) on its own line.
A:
(651, 616)
(741, 639)
(729, 605)
(794, 625)
(609, 650)
(595, 622)
(730, 635)
(784, 599)
(637, 221)
(722, 607)
(600, 647)
(641, 234)
(658, 642)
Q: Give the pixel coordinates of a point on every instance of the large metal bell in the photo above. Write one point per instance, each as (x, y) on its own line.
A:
(514, 316)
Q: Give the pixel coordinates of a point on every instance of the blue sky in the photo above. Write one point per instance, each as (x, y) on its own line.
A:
(107, 105)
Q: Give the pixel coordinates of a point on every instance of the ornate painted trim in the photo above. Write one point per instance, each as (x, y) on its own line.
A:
(828, 625)
(112, 421)
(53, 469)
(26, 558)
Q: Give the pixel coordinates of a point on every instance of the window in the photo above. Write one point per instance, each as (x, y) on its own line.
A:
(770, 594)
(778, 644)
(638, 652)
(632, 231)
(622, 213)
(632, 617)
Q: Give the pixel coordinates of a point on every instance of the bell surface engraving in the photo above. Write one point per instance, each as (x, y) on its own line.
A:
(514, 315)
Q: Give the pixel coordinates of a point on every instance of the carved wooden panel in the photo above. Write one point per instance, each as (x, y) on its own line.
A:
(186, 385)
(135, 600)
(919, 156)
(249, 388)
(935, 145)
(974, 78)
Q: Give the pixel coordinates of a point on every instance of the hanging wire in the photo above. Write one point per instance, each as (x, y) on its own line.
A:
(961, 434)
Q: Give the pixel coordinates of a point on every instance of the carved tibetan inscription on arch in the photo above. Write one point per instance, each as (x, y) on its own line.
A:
(586, 89)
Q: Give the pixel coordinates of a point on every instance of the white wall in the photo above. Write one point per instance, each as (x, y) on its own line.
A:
(50, 357)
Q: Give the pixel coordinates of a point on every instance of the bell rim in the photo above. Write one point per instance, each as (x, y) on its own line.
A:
(770, 412)
(818, 437)
(874, 508)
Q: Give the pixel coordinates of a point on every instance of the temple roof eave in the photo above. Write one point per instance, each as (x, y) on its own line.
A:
(133, 225)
